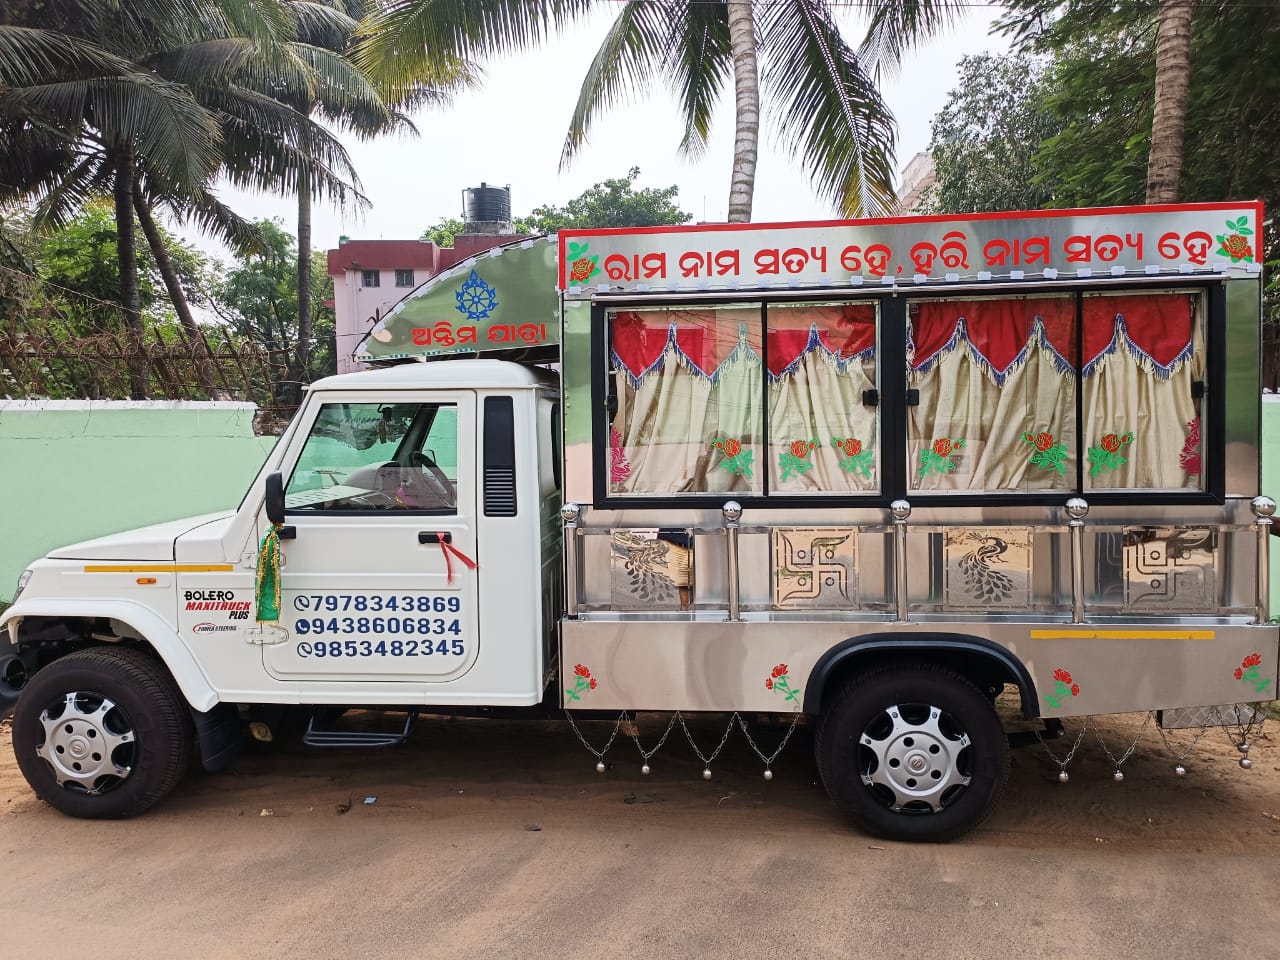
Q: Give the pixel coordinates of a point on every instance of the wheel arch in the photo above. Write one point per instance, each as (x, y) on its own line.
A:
(976, 658)
(145, 625)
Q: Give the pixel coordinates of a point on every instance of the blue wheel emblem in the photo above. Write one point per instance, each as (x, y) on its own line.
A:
(476, 298)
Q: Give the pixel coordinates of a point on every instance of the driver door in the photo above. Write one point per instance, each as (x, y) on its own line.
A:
(375, 584)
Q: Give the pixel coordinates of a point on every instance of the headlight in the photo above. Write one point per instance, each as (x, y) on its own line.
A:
(22, 583)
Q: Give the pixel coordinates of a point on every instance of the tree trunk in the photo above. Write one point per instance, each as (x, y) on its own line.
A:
(1173, 81)
(195, 338)
(127, 255)
(746, 87)
(303, 353)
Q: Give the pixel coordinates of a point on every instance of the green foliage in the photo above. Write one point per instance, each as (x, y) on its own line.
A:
(612, 203)
(258, 297)
(442, 232)
(987, 139)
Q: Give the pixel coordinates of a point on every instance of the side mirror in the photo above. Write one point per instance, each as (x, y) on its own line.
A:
(275, 497)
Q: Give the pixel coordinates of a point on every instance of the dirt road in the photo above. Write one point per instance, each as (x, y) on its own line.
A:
(500, 840)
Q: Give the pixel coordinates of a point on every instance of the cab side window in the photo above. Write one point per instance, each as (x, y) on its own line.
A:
(370, 456)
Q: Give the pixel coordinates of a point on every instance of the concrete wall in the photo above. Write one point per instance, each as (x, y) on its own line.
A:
(75, 469)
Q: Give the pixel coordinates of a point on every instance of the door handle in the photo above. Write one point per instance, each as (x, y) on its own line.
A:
(425, 536)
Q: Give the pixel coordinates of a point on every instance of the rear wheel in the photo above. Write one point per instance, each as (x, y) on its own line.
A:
(913, 753)
(102, 733)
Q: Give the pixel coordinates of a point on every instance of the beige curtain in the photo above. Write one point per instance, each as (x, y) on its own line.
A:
(820, 402)
(1127, 395)
(665, 428)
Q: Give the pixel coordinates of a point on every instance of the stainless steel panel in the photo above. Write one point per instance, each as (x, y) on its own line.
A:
(647, 572)
(815, 567)
(987, 568)
(1221, 715)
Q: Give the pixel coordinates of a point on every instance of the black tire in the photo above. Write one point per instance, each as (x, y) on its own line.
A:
(903, 726)
(123, 699)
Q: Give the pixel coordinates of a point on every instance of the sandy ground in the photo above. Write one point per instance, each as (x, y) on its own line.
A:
(492, 839)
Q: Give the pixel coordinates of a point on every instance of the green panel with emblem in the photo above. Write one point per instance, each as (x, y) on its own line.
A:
(503, 301)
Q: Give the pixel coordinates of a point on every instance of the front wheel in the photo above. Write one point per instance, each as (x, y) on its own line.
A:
(913, 753)
(102, 733)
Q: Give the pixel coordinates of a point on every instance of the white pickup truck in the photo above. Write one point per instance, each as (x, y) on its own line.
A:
(863, 475)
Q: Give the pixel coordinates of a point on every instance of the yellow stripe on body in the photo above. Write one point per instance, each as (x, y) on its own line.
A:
(1079, 634)
(160, 568)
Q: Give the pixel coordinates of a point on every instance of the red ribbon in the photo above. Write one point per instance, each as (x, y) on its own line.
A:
(450, 551)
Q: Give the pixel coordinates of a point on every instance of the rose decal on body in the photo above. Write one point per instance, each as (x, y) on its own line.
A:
(1248, 673)
(778, 681)
(582, 682)
(1064, 688)
(1048, 454)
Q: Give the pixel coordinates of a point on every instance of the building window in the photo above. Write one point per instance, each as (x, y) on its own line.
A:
(404, 278)
(370, 278)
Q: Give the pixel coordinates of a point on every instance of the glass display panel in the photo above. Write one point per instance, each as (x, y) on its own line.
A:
(1142, 384)
(996, 382)
(688, 389)
(823, 426)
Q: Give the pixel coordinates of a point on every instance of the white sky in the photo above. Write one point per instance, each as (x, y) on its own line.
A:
(510, 131)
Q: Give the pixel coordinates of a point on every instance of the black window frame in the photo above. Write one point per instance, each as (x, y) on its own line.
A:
(377, 278)
(891, 453)
(404, 274)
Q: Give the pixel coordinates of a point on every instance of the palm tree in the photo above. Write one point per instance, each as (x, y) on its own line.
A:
(1172, 87)
(224, 69)
(829, 109)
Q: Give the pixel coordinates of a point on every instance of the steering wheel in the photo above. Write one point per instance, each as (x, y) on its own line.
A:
(436, 479)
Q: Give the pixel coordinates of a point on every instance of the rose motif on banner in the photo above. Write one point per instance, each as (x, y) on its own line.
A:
(737, 458)
(1048, 453)
(1233, 243)
(937, 458)
(582, 266)
(795, 460)
(1106, 455)
(854, 459)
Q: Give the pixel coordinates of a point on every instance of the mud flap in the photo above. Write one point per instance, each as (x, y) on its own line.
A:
(220, 736)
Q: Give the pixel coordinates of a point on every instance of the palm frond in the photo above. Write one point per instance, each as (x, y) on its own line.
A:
(342, 92)
(699, 65)
(897, 25)
(61, 198)
(322, 24)
(154, 117)
(30, 56)
(626, 62)
(830, 112)
(426, 41)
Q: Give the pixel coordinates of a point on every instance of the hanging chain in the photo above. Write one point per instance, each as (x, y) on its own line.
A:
(768, 760)
(598, 754)
(1243, 729)
(1118, 775)
(1180, 757)
(645, 755)
(706, 761)
(1063, 776)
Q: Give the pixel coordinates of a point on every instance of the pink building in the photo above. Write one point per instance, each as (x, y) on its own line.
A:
(372, 276)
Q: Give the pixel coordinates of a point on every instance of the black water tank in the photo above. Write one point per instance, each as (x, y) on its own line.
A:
(486, 204)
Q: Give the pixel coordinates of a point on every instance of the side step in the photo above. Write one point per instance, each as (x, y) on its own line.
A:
(320, 737)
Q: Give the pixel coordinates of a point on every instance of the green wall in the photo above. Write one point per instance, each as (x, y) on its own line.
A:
(75, 469)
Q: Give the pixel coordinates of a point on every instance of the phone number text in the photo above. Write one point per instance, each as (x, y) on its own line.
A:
(381, 648)
(375, 602)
